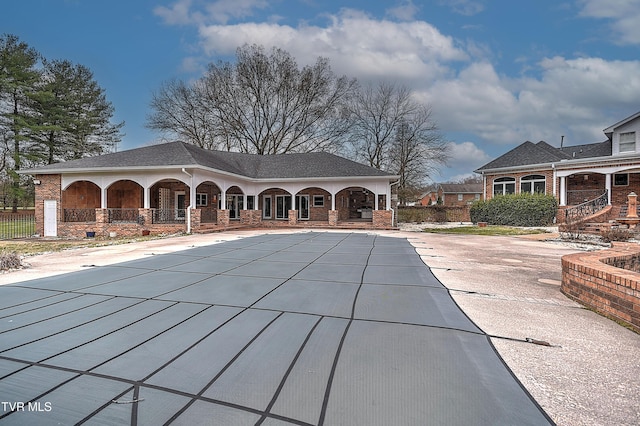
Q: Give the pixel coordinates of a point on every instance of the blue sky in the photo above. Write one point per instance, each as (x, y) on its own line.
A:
(495, 72)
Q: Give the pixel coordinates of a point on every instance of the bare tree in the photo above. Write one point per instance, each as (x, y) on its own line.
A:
(376, 112)
(394, 132)
(263, 103)
(180, 111)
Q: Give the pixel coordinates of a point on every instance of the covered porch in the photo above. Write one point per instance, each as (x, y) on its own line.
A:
(195, 201)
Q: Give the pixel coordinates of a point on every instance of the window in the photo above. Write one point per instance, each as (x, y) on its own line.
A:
(628, 142)
(202, 199)
(283, 205)
(460, 197)
(318, 201)
(250, 202)
(533, 184)
(266, 207)
(504, 186)
(621, 179)
(477, 197)
(302, 205)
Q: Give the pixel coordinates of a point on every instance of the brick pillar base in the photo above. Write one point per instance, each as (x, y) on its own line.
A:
(223, 217)
(196, 215)
(382, 219)
(333, 217)
(251, 217)
(293, 217)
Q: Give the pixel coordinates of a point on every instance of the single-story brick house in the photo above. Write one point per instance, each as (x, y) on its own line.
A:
(453, 194)
(178, 187)
(607, 170)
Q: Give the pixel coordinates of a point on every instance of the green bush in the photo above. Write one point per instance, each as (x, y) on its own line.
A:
(516, 210)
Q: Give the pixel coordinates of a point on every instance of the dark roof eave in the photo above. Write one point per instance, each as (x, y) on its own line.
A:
(68, 171)
(516, 168)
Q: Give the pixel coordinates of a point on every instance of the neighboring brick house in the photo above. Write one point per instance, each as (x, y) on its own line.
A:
(428, 198)
(177, 187)
(573, 174)
(459, 194)
(453, 194)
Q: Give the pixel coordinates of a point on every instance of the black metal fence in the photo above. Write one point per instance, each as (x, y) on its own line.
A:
(124, 216)
(79, 215)
(168, 215)
(575, 214)
(17, 226)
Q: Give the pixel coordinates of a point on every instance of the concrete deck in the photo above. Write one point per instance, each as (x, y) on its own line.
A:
(309, 328)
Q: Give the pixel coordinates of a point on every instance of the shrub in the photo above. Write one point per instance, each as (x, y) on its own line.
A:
(9, 260)
(616, 234)
(516, 210)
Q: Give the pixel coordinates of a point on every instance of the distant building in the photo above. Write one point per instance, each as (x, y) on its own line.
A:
(453, 194)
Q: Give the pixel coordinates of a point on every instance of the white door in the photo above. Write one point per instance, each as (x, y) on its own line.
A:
(50, 218)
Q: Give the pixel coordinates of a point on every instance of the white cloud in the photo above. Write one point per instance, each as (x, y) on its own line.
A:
(357, 45)
(464, 7)
(223, 10)
(404, 12)
(177, 14)
(624, 14)
(184, 12)
(575, 97)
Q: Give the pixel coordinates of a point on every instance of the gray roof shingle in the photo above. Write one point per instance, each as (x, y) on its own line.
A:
(529, 153)
(461, 188)
(283, 166)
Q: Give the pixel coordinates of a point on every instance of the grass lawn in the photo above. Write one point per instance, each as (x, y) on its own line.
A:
(16, 227)
(30, 247)
(487, 230)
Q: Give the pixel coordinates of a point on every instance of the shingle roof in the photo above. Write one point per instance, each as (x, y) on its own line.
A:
(461, 188)
(529, 153)
(180, 154)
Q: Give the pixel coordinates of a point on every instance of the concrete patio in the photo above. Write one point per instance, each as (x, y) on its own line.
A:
(309, 328)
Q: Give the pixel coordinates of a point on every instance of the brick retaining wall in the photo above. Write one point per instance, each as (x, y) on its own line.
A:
(606, 281)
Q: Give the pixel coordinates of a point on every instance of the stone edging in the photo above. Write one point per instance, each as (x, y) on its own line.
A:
(606, 281)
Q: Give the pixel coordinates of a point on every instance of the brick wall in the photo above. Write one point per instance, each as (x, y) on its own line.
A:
(382, 219)
(49, 189)
(548, 174)
(606, 281)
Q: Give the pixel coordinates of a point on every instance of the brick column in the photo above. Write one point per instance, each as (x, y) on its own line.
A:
(293, 217)
(333, 217)
(223, 217)
(50, 188)
(147, 217)
(196, 215)
(250, 217)
(382, 219)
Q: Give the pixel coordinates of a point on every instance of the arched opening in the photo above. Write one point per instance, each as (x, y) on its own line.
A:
(504, 186)
(355, 204)
(124, 194)
(275, 204)
(207, 199)
(313, 204)
(234, 202)
(124, 198)
(533, 184)
(79, 202)
(168, 200)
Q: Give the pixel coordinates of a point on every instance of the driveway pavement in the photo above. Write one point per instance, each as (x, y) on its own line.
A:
(308, 328)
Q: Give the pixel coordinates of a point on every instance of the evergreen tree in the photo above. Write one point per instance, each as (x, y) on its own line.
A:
(18, 78)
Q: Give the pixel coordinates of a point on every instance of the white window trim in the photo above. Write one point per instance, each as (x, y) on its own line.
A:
(543, 179)
(264, 203)
(318, 197)
(629, 145)
(619, 174)
(199, 198)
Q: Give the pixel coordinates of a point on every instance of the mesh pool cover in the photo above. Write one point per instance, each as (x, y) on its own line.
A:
(308, 328)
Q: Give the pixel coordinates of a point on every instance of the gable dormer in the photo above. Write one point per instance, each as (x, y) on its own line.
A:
(625, 135)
